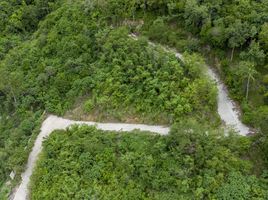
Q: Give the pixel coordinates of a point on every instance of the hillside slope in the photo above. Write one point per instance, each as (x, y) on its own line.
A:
(59, 55)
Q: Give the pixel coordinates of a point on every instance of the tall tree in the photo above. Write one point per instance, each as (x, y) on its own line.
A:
(254, 54)
(263, 36)
(247, 72)
(238, 33)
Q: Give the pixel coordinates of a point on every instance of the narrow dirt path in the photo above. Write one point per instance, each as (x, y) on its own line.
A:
(227, 109)
(54, 123)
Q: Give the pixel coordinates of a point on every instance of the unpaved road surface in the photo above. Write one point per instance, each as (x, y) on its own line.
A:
(227, 109)
(54, 123)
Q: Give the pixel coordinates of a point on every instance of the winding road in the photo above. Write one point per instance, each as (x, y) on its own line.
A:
(226, 108)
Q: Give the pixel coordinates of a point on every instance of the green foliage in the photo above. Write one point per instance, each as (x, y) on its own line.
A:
(195, 15)
(224, 30)
(16, 139)
(159, 31)
(254, 54)
(193, 162)
(241, 187)
(4, 191)
(52, 52)
(132, 74)
(259, 118)
(245, 72)
(24, 16)
(263, 35)
(18, 19)
(88, 106)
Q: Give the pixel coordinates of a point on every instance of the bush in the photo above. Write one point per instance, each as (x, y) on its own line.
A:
(88, 106)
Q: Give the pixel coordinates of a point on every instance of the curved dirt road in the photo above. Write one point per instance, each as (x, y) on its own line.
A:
(227, 109)
(53, 123)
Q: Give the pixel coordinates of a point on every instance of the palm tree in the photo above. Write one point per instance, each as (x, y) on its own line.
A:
(247, 71)
(250, 75)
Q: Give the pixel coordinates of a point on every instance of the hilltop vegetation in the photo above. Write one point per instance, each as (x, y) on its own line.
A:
(232, 36)
(75, 54)
(19, 19)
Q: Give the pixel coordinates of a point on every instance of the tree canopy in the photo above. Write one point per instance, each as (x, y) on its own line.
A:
(190, 163)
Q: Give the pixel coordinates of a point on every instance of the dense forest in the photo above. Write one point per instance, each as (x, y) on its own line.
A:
(232, 35)
(55, 54)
